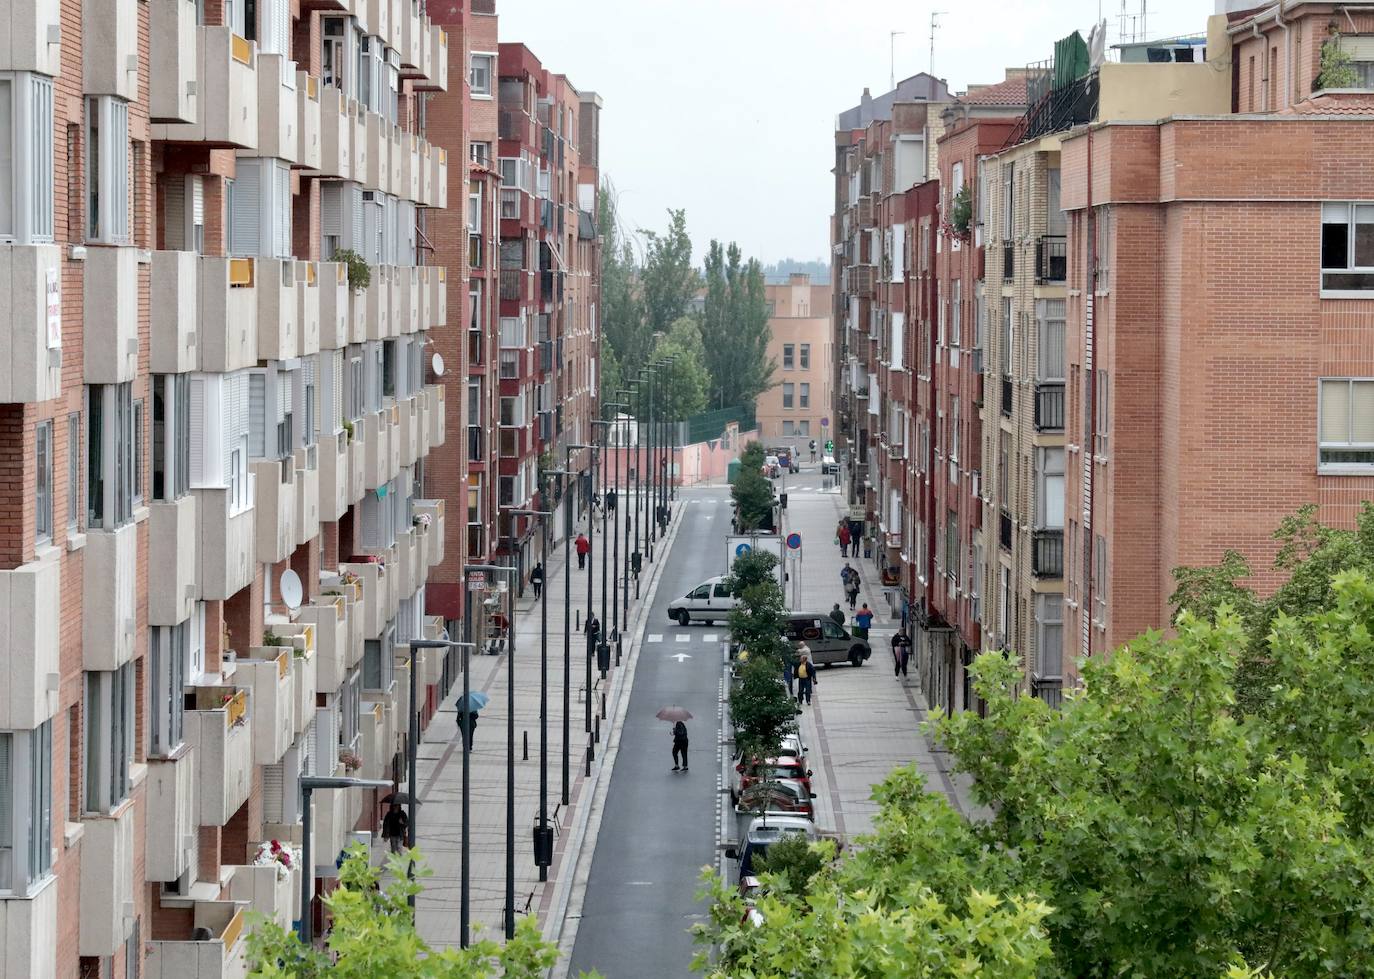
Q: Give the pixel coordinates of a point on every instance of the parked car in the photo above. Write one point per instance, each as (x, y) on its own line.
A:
(769, 769)
(783, 795)
(771, 467)
(829, 467)
(787, 458)
(792, 747)
(829, 643)
(707, 602)
(763, 831)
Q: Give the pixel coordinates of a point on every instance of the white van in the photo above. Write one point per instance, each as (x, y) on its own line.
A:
(707, 602)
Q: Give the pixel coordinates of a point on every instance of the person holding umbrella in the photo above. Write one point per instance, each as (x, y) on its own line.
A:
(679, 716)
(468, 710)
(394, 826)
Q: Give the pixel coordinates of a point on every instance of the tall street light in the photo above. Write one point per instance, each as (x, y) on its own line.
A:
(508, 570)
(637, 558)
(591, 571)
(568, 450)
(628, 395)
(651, 375)
(603, 648)
(665, 421)
(308, 784)
(617, 407)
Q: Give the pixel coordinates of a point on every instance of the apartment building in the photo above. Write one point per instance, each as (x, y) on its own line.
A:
(216, 434)
(1217, 317)
(796, 410)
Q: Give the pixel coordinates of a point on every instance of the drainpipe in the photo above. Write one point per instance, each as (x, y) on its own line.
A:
(1090, 414)
(1264, 67)
(1287, 93)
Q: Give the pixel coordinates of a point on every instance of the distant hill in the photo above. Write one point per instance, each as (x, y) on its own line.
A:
(777, 272)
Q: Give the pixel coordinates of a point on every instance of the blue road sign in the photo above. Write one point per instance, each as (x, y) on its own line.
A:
(742, 549)
(794, 541)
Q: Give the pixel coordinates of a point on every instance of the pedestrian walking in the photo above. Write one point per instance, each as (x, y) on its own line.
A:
(680, 746)
(806, 675)
(394, 826)
(837, 615)
(788, 673)
(610, 500)
(863, 619)
(844, 536)
(467, 724)
(537, 578)
(851, 589)
(901, 653)
(847, 572)
(583, 548)
(592, 628)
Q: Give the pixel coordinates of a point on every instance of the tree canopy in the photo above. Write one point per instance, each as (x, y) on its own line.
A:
(734, 327)
(685, 380)
(752, 492)
(670, 280)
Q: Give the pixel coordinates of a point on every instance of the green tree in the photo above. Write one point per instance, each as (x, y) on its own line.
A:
(627, 338)
(760, 709)
(752, 492)
(373, 936)
(685, 381)
(734, 327)
(669, 278)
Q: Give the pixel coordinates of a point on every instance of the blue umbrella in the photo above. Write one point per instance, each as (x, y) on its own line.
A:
(474, 701)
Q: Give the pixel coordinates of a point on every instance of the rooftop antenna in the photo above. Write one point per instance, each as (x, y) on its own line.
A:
(892, 58)
(933, 25)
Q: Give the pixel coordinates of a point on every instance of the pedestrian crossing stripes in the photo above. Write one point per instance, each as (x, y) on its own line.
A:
(657, 637)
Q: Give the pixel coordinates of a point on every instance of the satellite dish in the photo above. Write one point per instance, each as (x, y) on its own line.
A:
(291, 590)
(438, 364)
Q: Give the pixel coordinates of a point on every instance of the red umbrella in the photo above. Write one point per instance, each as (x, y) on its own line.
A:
(674, 713)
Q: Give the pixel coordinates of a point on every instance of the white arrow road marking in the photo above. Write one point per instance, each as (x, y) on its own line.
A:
(655, 637)
(708, 637)
(680, 657)
(683, 637)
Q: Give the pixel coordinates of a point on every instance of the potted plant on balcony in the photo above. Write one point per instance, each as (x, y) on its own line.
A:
(960, 215)
(274, 853)
(351, 761)
(359, 273)
(422, 520)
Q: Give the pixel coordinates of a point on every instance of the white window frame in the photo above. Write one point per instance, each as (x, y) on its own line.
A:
(1329, 210)
(1349, 445)
(1049, 466)
(108, 194)
(1099, 609)
(43, 481)
(1102, 409)
(109, 716)
(26, 791)
(168, 661)
(26, 157)
(114, 404)
(74, 445)
(804, 395)
(1049, 620)
(172, 447)
(488, 60)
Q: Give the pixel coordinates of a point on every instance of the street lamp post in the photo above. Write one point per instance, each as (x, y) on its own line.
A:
(601, 644)
(628, 394)
(618, 429)
(567, 618)
(308, 784)
(661, 511)
(591, 570)
(649, 465)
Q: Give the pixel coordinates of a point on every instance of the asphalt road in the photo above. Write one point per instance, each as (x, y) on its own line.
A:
(658, 827)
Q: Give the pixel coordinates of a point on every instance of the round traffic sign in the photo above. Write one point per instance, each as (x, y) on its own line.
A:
(742, 549)
(825, 423)
(794, 541)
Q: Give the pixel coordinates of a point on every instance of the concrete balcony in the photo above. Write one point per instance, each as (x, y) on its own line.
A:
(277, 303)
(335, 305)
(435, 509)
(437, 283)
(227, 337)
(376, 171)
(171, 560)
(173, 67)
(275, 504)
(410, 157)
(439, 177)
(357, 464)
(108, 887)
(220, 730)
(308, 145)
(31, 42)
(305, 677)
(434, 62)
(422, 547)
(105, 66)
(31, 625)
(410, 35)
(110, 335)
(376, 751)
(29, 930)
(307, 515)
(226, 111)
(425, 197)
(377, 302)
(221, 956)
(438, 421)
(405, 300)
(333, 477)
(354, 602)
(109, 612)
(227, 544)
(30, 322)
(391, 418)
(397, 142)
(336, 813)
(169, 827)
(362, 153)
(374, 600)
(329, 616)
(404, 570)
(278, 107)
(307, 308)
(422, 444)
(336, 134)
(376, 453)
(175, 303)
(267, 674)
(408, 430)
(376, 14)
(424, 312)
(273, 894)
(357, 304)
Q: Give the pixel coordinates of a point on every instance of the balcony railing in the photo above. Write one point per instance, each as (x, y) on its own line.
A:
(1008, 261)
(1004, 530)
(1049, 407)
(1047, 553)
(513, 124)
(1050, 689)
(512, 284)
(475, 348)
(1006, 394)
(1051, 258)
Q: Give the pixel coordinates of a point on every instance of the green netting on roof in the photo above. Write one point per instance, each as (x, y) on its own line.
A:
(1070, 59)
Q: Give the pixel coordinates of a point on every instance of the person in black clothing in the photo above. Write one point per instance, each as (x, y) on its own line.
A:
(394, 826)
(837, 615)
(901, 653)
(467, 726)
(680, 746)
(537, 578)
(610, 500)
(592, 628)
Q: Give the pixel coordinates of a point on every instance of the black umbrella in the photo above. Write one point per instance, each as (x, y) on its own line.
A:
(400, 799)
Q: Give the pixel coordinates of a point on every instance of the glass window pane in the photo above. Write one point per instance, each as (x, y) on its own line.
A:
(1362, 412)
(1335, 411)
(1335, 245)
(1364, 235)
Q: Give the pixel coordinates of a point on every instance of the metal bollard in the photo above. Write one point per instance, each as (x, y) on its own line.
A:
(577, 620)
(591, 755)
(525, 755)
(603, 705)
(596, 729)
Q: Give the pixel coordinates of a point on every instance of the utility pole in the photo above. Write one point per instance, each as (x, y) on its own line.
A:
(934, 24)
(892, 58)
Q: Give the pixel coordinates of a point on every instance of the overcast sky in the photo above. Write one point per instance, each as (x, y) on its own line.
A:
(726, 107)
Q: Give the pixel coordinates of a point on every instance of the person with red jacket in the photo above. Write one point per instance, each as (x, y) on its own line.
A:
(584, 547)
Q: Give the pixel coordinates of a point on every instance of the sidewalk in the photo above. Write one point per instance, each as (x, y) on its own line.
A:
(863, 722)
(441, 755)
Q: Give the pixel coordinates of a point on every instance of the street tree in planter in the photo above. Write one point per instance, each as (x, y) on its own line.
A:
(760, 708)
(752, 492)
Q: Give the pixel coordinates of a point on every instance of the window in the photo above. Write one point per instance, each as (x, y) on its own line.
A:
(952, 544)
(1050, 345)
(789, 428)
(73, 470)
(805, 356)
(354, 406)
(1008, 201)
(1049, 636)
(26, 157)
(107, 169)
(1049, 489)
(109, 455)
(138, 452)
(171, 436)
(480, 152)
(1003, 472)
(109, 730)
(953, 438)
(42, 501)
(25, 807)
(350, 710)
(1007, 337)
(805, 395)
(788, 391)
(167, 665)
(1347, 247)
(1360, 47)
(804, 428)
(1100, 582)
(379, 666)
(788, 358)
(1103, 412)
(1346, 424)
(955, 317)
(479, 74)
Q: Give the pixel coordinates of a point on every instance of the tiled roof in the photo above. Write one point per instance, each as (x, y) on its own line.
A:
(1345, 104)
(1009, 92)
